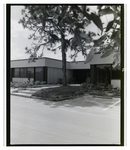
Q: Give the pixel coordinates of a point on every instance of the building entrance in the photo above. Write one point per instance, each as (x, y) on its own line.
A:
(100, 74)
(80, 75)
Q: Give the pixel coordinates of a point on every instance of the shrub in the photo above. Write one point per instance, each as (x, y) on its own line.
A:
(37, 83)
(12, 84)
(87, 85)
(23, 85)
(71, 81)
(43, 82)
(59, 81)
(88, 80)
(16, 85)
(80, 92)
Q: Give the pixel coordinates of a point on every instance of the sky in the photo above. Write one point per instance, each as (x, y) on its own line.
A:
(19, 37)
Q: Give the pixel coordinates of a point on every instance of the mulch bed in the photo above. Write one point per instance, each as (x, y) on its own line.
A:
(70, 92)
(59, 93)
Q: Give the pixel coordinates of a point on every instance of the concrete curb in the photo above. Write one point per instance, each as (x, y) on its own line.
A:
(21, 95)
(16, 92)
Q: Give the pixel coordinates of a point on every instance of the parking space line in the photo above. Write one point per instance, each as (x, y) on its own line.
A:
(111, 105)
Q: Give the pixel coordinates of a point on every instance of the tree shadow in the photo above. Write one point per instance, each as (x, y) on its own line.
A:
(82, 101)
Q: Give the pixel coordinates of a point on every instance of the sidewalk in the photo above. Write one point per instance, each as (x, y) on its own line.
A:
(27, 92)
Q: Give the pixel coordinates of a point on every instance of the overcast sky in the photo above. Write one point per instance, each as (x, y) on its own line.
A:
(19, 37)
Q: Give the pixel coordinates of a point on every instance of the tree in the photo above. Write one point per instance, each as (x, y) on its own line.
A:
(62, 27)
(110, 41)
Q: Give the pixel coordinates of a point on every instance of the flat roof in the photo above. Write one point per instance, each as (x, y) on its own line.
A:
(56, 63)
(36, 58)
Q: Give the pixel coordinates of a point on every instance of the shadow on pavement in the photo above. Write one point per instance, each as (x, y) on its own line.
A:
(83, 101)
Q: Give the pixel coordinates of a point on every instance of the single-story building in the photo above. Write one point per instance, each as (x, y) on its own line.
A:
(99, 70)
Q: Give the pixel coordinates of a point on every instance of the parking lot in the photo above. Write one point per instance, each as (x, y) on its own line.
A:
(84, 120)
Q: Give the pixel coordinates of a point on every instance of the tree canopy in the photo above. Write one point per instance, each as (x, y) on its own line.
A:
(53, 23)
(63, 27)
(112, 33)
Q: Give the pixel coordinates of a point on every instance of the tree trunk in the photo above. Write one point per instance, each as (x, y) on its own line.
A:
(64, 82)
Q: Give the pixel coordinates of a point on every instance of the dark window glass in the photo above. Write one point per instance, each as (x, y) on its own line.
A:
(103, 73)
(16, 72)
(30, 73)
(12, 71)
(38, 74)
(45, 74)
(80, 75)
(116, 74)
(22, 72)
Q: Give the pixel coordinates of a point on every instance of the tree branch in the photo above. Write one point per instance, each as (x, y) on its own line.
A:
(56, 48)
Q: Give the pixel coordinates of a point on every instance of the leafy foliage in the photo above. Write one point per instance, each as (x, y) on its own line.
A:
(98, 42)
(90, 56)
(109, 26)
(96, 19)
(113, 31)
(54, 24)
(52, 27)
(108, 52)
(63, 27)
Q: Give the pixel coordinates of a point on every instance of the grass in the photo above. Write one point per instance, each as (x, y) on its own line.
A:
(59, 93)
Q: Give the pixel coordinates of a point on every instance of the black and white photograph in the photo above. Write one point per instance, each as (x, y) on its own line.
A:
(65, 74)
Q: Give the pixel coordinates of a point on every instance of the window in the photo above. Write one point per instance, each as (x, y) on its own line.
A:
(22, 72)
(39, 74)
(101, 74)
(116, 74)
(16, 72)
(30, 73)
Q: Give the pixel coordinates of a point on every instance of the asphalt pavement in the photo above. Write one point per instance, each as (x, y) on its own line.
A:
(84, 120)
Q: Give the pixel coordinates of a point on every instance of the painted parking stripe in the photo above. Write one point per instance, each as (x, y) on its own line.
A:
(111, 105)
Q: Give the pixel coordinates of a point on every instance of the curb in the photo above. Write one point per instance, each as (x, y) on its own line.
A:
(21, 95)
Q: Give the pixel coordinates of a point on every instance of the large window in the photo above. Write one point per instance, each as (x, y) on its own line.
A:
(116, 73)
(101, 74)
(22, 72)
(39, 74)
(30, 72)
(16, 72)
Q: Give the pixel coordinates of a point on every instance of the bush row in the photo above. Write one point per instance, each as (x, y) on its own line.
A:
(27, 84)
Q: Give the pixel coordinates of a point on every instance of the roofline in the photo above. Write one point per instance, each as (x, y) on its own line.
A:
(37, 58)
(51, 59)
(47, 58)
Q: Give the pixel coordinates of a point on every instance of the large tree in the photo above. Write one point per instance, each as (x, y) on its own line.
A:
(63, 27)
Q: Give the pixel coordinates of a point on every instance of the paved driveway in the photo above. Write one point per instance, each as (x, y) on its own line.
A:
(84, 120)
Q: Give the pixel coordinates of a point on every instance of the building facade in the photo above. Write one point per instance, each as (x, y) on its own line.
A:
(99, 70)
